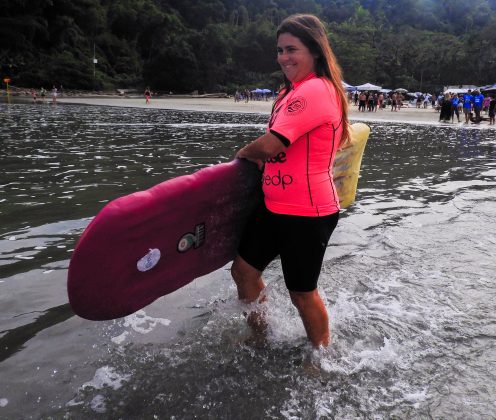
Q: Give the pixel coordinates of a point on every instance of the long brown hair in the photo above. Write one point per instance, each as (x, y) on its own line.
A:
(311, 32)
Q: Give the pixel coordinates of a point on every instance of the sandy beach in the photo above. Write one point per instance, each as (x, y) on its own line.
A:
(408, 115)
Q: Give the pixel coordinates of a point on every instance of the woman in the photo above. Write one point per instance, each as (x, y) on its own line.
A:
(148, 95)
(445, 114)
(301, 208)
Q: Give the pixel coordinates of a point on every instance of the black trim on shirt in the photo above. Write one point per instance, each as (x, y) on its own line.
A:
(308, 175)
(283, 139)
(331, 177)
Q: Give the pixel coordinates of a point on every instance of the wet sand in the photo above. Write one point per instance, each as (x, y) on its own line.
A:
(408, 115)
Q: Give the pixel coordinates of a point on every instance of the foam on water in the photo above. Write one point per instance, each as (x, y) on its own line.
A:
(142, 323)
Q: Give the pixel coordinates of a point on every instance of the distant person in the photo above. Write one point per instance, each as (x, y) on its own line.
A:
(445, 114)
(54, 94)
(478, 100)
(362, 99)
(148, 95)
(42, 94)
(370, 102)
(455, 100)
(296, 220)
(399, 101)
(33, 95)
(420, 99)
(380, 100)
(491, 109)
(485, 104)
(426, 101)
(467, 105)
(394, 102)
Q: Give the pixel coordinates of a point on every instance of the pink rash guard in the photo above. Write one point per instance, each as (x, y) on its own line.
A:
(299, 181)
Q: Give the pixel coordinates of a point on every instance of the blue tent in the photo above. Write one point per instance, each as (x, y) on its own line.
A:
(488, 88)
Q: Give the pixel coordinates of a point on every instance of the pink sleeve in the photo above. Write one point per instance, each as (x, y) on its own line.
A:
(313, 105)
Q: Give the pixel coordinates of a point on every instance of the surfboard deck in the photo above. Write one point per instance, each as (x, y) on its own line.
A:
(147, 244)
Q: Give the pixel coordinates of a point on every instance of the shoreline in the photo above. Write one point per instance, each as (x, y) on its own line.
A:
(407, 115)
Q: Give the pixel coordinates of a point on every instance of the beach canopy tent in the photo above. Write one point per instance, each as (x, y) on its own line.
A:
(348, 87)
(258, 90)
(489, 88)
(456, 91)
(368, 86)
(384, 90)
(401, 90)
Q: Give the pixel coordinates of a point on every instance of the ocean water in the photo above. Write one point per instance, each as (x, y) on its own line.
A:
(409, 279)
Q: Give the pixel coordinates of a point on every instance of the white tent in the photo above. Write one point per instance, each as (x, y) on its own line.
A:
(348, 87)
(369, 86)
(456, 91)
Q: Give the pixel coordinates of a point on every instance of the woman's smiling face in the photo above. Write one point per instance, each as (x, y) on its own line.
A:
(295, 59)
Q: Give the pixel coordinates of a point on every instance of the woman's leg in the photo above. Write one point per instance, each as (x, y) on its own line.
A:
(248, 280)
(314, 316)
(250, 285)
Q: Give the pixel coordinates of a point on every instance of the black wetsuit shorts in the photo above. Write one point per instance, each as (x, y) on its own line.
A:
(299, 241)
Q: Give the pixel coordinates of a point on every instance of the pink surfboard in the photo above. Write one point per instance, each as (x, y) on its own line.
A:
(149, 243)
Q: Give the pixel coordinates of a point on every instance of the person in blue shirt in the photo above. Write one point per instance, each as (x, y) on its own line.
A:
(454, 108)
(478, 99)
(467, 105)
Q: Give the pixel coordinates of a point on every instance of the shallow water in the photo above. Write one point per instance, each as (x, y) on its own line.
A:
(408, 278)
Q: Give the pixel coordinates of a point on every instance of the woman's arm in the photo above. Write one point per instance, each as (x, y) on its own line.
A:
(259, 150)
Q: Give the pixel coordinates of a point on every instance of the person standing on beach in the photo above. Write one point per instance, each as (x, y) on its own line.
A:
(362, 101)
(478, 100)
(467, 105)
(54, 94)
(394, 104)
(454, 108)
(148, 95)
(300, 210)
(491, 109)
(445, 114)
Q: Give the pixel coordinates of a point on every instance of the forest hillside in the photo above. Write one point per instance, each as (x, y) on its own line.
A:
(222, 45)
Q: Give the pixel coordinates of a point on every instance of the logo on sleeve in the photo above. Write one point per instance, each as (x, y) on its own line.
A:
(296, 106)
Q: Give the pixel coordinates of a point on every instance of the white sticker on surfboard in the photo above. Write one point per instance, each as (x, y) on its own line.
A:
(149, 261)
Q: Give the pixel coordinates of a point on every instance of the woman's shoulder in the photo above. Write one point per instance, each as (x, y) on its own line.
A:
(317, 83)
(318, 86)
